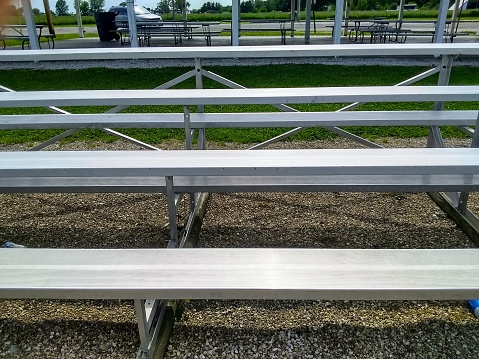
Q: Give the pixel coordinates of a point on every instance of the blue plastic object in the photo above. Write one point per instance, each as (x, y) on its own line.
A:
(474, 305)
(12, 245)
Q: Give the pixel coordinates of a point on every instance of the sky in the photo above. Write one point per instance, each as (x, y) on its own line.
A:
(195, 4)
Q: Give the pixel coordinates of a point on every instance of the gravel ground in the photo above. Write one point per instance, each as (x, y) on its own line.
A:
(162, 63)
(240, 329)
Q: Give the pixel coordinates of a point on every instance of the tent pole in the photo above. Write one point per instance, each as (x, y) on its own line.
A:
(235, 19)
(130, 8)
(307, 26)
(48, 15)
(338, 22)
(79, 21)
(30, 21)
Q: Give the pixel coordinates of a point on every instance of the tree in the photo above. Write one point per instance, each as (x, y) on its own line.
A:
(97, 5)
(213, 7)
(36, 11)
(84, 7)
(283, 5)
(179, 4)
(61, 8)
(247, 6)
(163, 7)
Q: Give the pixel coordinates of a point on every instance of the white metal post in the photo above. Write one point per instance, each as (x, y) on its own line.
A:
(441, 21)
(452, 28)
(307, 27)
(29, 20)
(235, 20)
(401, 10)
(130, 8)
(346, 17)
(293, 16)
(170, 195)
(79, 22)
(338, 22)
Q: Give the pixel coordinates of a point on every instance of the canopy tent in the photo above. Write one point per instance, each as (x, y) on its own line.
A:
(338, 20)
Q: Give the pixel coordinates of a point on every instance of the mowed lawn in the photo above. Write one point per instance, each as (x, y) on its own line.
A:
(304, 75)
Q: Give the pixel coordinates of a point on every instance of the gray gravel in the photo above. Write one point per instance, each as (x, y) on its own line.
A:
(240, 329)
(162, 63)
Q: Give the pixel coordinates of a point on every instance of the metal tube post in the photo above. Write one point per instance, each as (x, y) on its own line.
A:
(187, 123)
(29, 20)
(130, 6)
(170, 195)
(307, 27)
(79, 22)
(201, 108)
(142, 324)
(464, 196)
(441, 21)
(235, 19)
(338, 22)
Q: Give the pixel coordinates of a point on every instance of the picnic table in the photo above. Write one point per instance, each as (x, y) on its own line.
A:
(279, 26)
(382, 30)
(176, 29)
(20, 32)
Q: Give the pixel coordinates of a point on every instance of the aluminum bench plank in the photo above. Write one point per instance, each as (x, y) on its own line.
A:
(278, 51)
(238, 273)
(238, 120)
(346, 118)
(212, 184)
(239, 96)
(404, 161)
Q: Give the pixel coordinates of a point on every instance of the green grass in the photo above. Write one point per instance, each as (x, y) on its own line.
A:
(249, 76)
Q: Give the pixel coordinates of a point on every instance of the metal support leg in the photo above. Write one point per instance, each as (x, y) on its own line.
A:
(201, 132)
(142, 325)
(201, 139)
(435, 137)
(187, 123)
(453, 203)
(464, 196)
(189, 146)
(199, 79)
(170, 194)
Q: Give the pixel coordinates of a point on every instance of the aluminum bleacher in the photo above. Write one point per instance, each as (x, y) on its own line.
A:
(142, 274)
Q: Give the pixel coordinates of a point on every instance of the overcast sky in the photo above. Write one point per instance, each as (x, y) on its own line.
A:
(195, 4)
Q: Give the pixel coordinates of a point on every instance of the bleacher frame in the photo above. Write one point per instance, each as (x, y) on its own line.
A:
(456, 201)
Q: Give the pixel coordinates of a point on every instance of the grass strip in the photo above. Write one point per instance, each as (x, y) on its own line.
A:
(304, 75)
